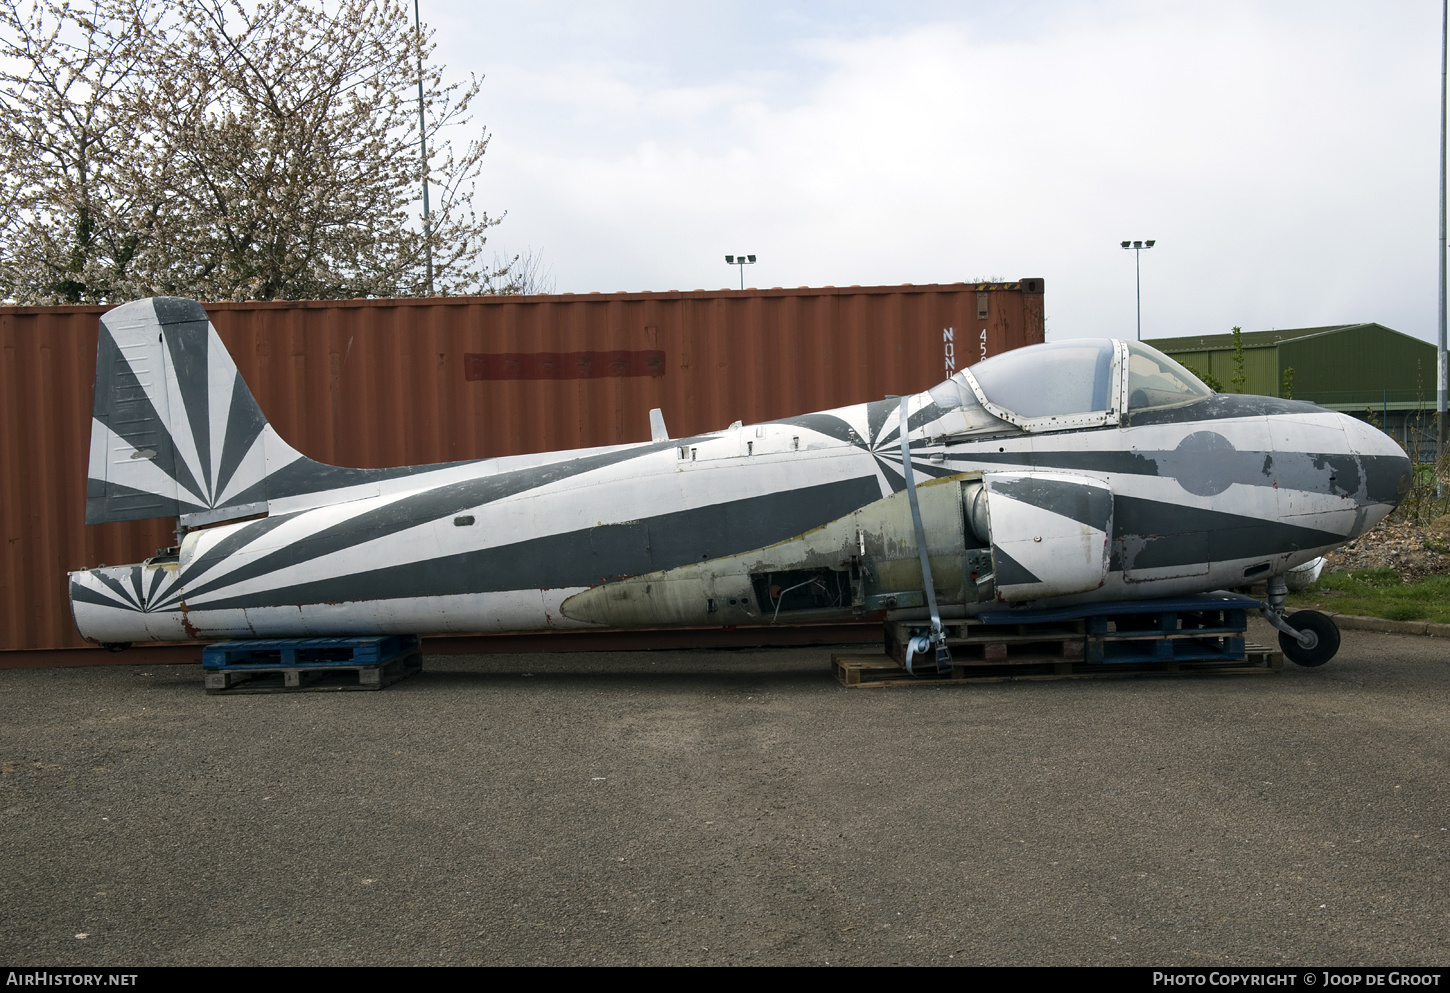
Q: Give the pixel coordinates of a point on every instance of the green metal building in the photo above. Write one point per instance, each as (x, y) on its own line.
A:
(1368, 370)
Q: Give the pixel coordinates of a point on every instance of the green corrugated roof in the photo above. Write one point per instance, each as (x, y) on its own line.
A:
(1252, 339)
(1344, 365)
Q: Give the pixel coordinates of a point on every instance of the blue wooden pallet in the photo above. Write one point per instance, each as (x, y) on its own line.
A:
(1210, 627)
(1120, 608)
(1186, 630)
(312, 678)
(306, 653)
(1162, 648)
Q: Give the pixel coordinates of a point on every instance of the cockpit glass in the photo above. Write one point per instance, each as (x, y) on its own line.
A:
(952, 394)
(1155, 380)
(1051, 380)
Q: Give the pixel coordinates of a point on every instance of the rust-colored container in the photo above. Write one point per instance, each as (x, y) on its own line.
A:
(374, 383)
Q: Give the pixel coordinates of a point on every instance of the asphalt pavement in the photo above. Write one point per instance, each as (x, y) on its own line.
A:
(731, 807)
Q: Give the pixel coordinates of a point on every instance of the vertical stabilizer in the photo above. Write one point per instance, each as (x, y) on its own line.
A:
(175, 432)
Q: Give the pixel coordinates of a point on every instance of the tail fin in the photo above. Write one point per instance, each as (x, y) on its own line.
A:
(174, 432)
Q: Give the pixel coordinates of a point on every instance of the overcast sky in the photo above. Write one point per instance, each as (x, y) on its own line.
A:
(1284, 155)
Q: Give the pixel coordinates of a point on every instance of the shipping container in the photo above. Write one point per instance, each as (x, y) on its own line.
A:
(374, 383)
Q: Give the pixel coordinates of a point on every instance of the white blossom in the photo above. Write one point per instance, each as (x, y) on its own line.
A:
(223, 150)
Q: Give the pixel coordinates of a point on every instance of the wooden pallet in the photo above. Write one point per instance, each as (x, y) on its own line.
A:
(275, 653)
(882, 670)
(313, 678)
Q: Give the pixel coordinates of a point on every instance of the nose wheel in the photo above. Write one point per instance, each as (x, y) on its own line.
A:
(1317, 641)
(1307, 637)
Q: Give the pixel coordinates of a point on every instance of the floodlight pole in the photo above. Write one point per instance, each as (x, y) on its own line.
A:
(423, 146)
(742, 261)
(1440, 368)
(1137, 247)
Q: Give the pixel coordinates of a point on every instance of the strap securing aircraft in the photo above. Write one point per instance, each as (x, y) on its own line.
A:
(937, 639)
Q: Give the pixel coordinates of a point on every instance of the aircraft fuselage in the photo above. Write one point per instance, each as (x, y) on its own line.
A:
(803, 519)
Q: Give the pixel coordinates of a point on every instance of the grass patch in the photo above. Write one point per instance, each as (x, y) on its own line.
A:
(1378, 593)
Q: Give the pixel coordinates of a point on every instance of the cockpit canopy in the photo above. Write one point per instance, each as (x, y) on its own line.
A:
(1082, 382)
(1058, 379)
(1155, 380)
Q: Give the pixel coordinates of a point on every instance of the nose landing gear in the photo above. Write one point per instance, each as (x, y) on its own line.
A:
(1318, 630)
(1307, 637)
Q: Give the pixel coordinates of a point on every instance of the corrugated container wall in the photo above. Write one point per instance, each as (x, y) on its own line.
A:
(375, 383)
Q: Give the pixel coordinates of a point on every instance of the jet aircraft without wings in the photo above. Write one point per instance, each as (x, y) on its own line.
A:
(1065, 473)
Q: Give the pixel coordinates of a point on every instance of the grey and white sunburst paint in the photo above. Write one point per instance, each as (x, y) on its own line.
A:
(1071, 472)
(175, 431)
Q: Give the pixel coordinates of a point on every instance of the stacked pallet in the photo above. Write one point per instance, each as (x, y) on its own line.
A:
(271, 665)
(1203, 634)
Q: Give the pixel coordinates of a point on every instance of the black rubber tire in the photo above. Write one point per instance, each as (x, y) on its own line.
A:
(1326, 638)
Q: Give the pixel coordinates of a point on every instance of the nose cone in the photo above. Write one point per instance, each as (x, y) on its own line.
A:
(1386, 466)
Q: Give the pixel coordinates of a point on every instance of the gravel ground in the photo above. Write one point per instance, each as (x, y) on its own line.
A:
(730, 807)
